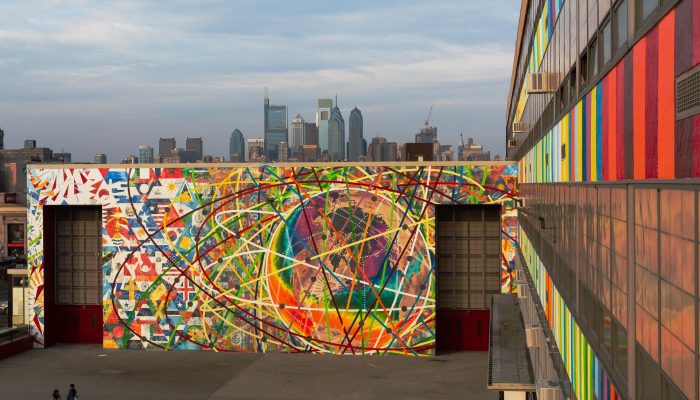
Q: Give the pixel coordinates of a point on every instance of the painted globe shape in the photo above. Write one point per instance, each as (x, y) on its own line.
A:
(350, 270)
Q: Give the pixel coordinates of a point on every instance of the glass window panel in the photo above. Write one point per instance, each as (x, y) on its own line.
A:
(645, 8)
(621, 24)
(603, 8)
(607, 43)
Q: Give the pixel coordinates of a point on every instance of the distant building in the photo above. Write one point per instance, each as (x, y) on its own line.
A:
(400, 151)
(336, 135)
(276, 131)
(256, 150)
(283, 152)
(297, 136)
(310, 133)
(100, 158)
(145, 155)
(472, 152)
(180, 155)
(208, 159)
(311, 153)
(130, 159)
(355, 134)
(2, 139)
(29, 144)
(447, 152)
(427, 134)
(166, 146)
(419, 152)
(236, 146)
(381, 150)
(64, 158)
(196, 146)
(323, 114)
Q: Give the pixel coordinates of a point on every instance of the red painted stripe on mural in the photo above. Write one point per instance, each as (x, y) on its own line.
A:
(696, 32)
(651, 109)
(666, 134)
(639, 55)
(605, 173)
(620, 128)
(612, 125)
(696, 146)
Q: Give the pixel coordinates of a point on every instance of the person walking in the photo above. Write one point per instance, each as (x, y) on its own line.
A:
(72, 393)
(56, 395)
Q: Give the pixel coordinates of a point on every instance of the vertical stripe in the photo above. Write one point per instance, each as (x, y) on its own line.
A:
(696, 32)
(579, 141)
(605, 132)
(639, 55)
(651, 109)
(696, 147)
(612, 125)
(599, 131)
(594, 135)
(620, 128)
(629, 159)
(586, 139)
(666, 136)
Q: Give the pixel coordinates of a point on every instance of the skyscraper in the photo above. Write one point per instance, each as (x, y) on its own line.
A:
(236, 147)
(196, 146)
(297, 137)
(356, 136)
(100, 158)
(276, 131)
(145, 155)
(256, 150)
(166, 146)
(310, 134)
(323, 113)
(336, 135)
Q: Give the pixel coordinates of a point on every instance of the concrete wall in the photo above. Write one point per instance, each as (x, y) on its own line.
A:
(296, 257)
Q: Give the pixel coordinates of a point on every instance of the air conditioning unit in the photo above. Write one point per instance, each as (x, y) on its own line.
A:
(541, 82)
(522, 290)
(549, 390)
(533, 336)
(520, 127)
(512, 143)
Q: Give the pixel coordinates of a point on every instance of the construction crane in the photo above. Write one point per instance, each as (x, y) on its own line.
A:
(427, 120)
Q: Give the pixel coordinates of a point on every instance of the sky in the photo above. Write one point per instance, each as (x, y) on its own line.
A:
(105, 77)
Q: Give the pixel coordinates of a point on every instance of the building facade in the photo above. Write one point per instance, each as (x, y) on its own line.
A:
(256, 150)
(323, 114)
(604, 122)
(298, 133)
(355, 134)
(336, 135)
(166, 146)
(145, 154)
(275, 125)
(236, 146)
(100, 158)
(196, 147)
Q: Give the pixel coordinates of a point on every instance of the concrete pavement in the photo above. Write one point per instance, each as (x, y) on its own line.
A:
(136, 375)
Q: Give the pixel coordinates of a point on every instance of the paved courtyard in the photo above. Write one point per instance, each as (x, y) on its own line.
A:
(108, 374)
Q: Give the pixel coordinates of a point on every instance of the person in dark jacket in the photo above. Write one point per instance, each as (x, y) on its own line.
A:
(56, 395)
(72, 393)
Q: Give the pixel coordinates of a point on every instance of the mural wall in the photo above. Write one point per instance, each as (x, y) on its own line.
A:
(625, 127)
(268, 258)
(588, 376)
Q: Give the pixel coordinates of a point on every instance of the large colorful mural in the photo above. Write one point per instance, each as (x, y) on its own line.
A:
(268, 258)
(625, 127)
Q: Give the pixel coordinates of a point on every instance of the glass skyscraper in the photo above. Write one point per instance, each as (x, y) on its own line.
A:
(276, 130)
(237, 147)
(336, 135)
(355, 132)
(323, 113)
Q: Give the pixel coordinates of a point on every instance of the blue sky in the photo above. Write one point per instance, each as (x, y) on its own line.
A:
(95, 76)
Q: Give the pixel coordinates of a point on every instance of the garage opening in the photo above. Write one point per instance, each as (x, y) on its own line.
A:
(468, 250)
(73, 274)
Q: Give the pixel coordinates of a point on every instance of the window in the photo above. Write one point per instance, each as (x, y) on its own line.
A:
(645, 8)
(606, 46)
(583, 75)
(620, 24)
(593, 59)
(15, 240)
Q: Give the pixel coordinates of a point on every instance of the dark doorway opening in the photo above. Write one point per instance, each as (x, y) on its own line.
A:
(72, 274)
(468, 252)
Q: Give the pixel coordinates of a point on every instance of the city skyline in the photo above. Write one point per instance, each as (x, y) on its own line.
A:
(203, 75)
